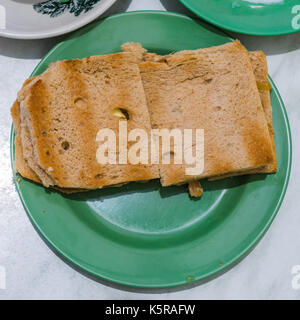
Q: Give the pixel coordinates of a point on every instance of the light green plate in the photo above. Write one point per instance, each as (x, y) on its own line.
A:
(256, 17)
(144, 235)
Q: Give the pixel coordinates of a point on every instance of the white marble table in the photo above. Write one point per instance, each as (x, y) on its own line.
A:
(33, 271)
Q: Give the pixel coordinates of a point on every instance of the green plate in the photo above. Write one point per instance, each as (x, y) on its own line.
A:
(144, 235)
(256, 17)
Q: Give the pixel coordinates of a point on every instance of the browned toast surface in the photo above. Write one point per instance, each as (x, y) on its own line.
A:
(215, 90)
(260, 70)
(65, 108)
(20, 164)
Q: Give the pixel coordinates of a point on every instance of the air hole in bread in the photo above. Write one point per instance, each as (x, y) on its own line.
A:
(79, 102)
(44, 133)
(207, 81)
(98, 176)
(47, 153)
(121, 113)
(65, 145)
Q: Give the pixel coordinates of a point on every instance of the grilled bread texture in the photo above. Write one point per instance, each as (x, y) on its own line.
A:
(223, 90)
(66, 107)
(214, 90)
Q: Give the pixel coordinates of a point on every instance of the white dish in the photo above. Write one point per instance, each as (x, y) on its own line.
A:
(29, 19)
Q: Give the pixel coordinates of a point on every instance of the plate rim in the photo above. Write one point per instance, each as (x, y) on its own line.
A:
(217, 271)
(63, 29)
(219, 24)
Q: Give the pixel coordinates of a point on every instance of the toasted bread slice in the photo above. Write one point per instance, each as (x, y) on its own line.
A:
(143, 56)
(20, 164)
(64, 109)
(22, 142)
(218, 90)
(260, 69)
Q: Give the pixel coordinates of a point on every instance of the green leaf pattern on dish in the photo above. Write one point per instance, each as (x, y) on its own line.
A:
(54, 8)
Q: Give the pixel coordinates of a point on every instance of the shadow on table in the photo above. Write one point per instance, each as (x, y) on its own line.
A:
(271, 45)
(176, 6)
(36, 49)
